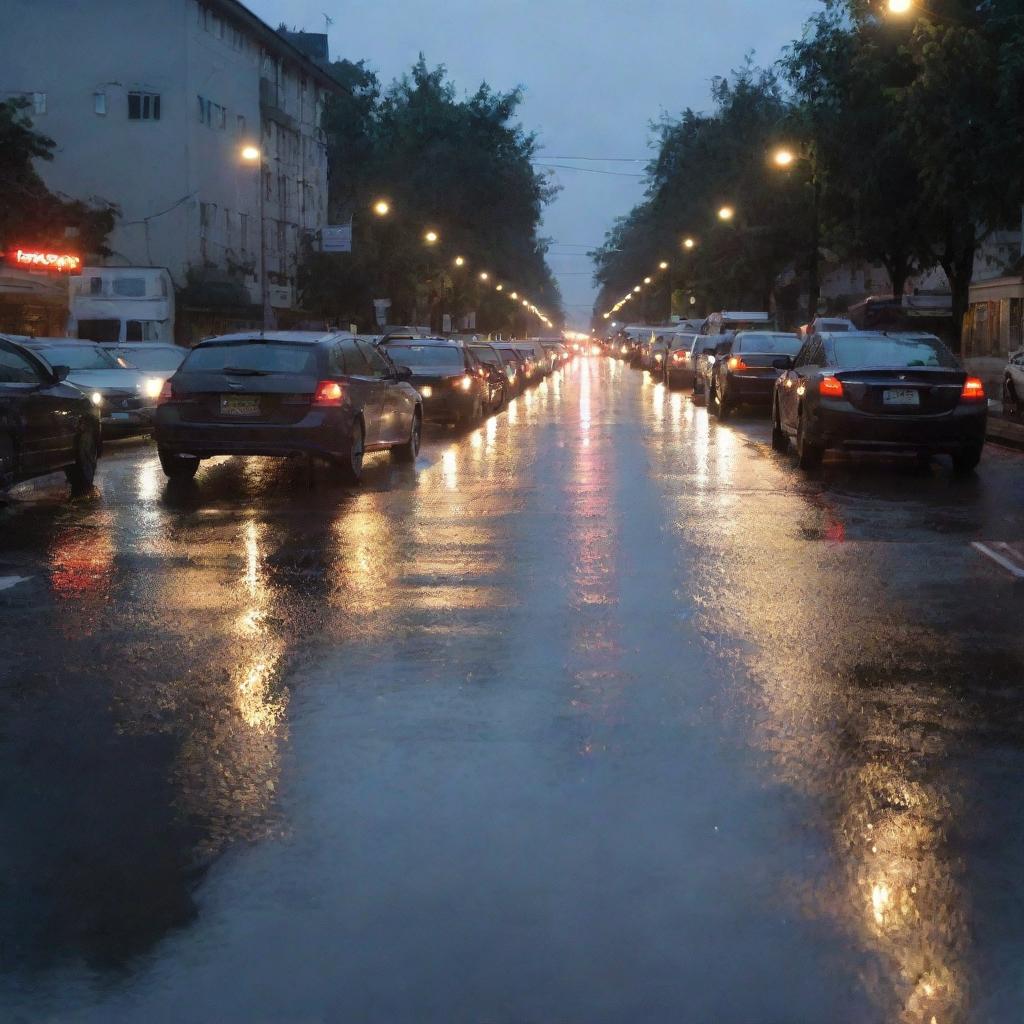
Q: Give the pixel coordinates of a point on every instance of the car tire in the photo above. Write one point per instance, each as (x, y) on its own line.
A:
(723, 407)
(178, 467)
(1011, 403)
(808, 454)
(82, 472)
(780, 439)
(966, 460)
(350, 466)
(410, 450)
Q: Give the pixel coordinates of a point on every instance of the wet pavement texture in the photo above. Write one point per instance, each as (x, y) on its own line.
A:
(601, 713)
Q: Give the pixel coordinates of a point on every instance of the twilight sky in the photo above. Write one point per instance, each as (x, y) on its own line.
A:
(596, 73)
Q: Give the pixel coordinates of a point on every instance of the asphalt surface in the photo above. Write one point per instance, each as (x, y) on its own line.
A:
(601, 713)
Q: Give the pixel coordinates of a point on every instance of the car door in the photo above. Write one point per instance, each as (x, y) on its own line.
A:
(788, 386)
(397, 404)
(367, 389)
(39, 420)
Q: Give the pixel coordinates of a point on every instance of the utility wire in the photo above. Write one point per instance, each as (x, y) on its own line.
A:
(590, 170)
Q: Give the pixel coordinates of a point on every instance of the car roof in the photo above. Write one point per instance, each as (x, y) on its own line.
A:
(63, 342)
(292, 337)
(449, 342)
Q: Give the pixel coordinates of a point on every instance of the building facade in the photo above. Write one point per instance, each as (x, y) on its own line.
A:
(151, 105)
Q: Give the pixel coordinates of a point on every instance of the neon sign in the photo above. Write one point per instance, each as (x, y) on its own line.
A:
(61, 262)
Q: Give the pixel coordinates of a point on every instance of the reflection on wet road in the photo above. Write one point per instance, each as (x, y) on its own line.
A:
(600, 713)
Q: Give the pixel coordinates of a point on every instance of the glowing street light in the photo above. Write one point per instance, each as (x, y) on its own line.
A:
(431, 238)
(251, 154)
(900, 6)
(484, 276)
(637, 288)
(499, 288)
(663, 265)
(647, 280)
(460, 261)
(382, 207)
(784, 157)
(726, 213)
(514, 296)
(689, 243)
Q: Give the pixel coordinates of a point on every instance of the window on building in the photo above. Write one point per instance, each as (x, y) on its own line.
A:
(39, 102)
(221, 118)
(99, 103)
(130, 287)
(95, 285)
(282, 237)
(143, 106)
(205, 110)
(240, 124)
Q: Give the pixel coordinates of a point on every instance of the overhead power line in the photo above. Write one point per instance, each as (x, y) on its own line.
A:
(590, 170)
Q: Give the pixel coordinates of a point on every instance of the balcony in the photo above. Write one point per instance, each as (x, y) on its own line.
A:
(270, 104)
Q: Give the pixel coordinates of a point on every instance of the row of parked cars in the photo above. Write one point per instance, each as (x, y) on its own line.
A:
(829, 386)
(326, 395)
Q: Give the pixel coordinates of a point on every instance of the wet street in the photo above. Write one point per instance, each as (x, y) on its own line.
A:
(601, 713)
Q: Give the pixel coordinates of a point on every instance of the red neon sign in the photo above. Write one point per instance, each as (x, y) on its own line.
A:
(61, 262)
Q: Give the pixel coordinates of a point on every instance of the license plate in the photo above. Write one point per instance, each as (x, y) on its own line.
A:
(239, 405)
(901, 396)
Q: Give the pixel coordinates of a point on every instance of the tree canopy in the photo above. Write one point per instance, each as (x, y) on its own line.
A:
(460, 167)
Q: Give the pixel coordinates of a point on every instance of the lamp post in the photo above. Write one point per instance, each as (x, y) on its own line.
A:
(784, 159)
(254, 155)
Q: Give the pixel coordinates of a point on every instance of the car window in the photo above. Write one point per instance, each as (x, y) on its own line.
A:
(801, 358)
(868, 350)
(354, 359)
(767, 344)
(379, 366)
(255, 356)
(16, 368)
(408, 354)
(159, 357)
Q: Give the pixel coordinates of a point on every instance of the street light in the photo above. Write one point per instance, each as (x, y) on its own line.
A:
(637, 288)
(253, 155)
(726, 213)
(663, 265)
(784, 157)
(689, 243)
(484, 276)
(431, 237)
(900, 6)
(382, 207)
(499, 288)
(647, 280)
(460, 261)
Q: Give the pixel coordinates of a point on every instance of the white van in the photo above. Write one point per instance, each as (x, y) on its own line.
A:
(724, 322)
(114, 305)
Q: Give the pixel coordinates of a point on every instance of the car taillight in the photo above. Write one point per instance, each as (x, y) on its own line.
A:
(973, 390)
(328, 392)
(829, 387)
(678, 357)
(736, 363)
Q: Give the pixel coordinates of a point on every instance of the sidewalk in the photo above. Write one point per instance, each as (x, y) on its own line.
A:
(1008, 433)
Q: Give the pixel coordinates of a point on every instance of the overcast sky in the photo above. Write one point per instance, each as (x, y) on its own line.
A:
(595, 72)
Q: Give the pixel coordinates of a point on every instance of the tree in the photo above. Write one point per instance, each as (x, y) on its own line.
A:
(31, 213)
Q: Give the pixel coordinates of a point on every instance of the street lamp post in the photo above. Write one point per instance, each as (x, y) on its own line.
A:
(254, 155)
(784, 158)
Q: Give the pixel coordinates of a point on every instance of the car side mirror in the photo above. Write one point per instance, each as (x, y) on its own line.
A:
(403, 373)
(783, 363)
(61, 373)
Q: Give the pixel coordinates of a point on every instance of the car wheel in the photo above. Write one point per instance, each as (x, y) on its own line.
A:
(178, 467)
(82, 473)
(350, 467)
(966, 460)
(808, 454)
(780, 439)
(1011, 403)
(723, 407)
(407, 452)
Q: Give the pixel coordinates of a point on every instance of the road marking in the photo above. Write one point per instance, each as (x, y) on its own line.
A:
(1010, 557)
(6, 582)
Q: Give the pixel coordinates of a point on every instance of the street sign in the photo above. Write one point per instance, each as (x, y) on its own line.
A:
(336, 238)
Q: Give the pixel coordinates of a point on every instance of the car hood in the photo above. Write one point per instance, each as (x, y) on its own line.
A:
(100, 380)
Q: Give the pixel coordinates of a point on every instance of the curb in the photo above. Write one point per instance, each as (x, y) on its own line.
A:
(1005, 434)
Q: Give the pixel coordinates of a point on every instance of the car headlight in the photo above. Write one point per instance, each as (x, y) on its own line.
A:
(426, 391)
(465, 382)
(152, 387)
(97, 398)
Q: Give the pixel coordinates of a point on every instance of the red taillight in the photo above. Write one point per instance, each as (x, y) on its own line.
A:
(328, 392)
(166, 394)
(973, 390)
(736, 363)
(678, 357)
(829, 387)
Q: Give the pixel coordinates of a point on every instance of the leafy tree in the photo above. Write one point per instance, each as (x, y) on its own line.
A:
(31, 213)
(460, 167)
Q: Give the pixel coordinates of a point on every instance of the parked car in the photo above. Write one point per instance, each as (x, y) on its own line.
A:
(46, 423)
(867, 391)
(126, 397)
(497, 377)
(515, 367)
(535, 366)
(747, 375)
(660, 348)
(452, 385)
(154, 358)
(706, 356)
(682, 360)
(1013, 385)
(287, 393)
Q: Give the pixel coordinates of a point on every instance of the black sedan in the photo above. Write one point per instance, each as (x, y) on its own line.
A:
(869, 392)
(747, 375)
(46, 424)
(452, 384)
(286, 393)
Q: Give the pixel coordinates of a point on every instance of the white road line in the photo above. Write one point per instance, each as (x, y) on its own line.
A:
(1004, 555)
(6, 582)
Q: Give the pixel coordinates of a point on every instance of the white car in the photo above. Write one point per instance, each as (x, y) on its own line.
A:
(1013, 385)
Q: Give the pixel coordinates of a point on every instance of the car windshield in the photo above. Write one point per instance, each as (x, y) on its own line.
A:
(158, 358)
(252, 357)
(485, 355)
(81, 357)
(868, 350)
(446, 356)
(510, 356)
(768, 344)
